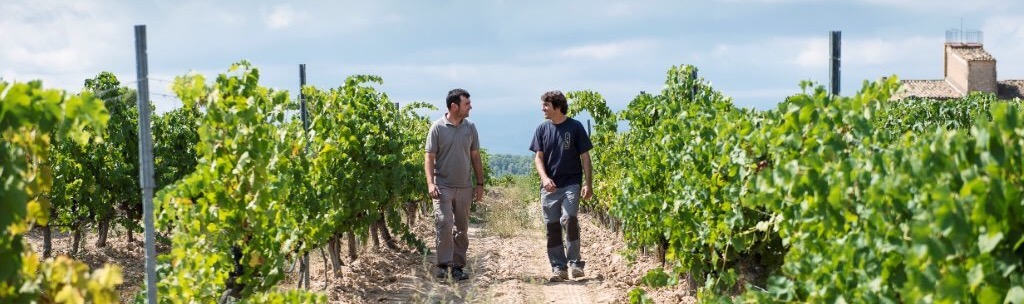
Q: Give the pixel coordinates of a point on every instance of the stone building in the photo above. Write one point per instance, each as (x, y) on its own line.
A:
(967, 68)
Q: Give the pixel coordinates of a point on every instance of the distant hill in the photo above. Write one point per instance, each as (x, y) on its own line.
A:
(503, 164)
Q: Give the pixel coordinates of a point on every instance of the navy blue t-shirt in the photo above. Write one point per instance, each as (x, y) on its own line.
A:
(562, 145)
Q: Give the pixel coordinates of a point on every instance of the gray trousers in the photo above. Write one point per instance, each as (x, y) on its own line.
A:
(451, 219)
(560, 208)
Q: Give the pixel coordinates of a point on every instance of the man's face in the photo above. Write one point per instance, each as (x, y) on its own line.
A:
(548, 109)
(462, 109)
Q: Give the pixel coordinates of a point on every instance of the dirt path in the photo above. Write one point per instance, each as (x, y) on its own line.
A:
(523, 271)
(503, 269)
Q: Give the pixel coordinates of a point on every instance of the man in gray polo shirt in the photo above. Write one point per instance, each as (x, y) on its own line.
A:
(453, 145)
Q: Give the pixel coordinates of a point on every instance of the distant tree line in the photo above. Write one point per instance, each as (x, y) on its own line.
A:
(505, 164)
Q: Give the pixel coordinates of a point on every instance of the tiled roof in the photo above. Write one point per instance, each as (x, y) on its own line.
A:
(972, 52)
(1010, 89)
(934, 89)
(940, 89)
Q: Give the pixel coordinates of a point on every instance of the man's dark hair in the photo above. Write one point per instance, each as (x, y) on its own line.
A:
(454, 97)
(556, 99)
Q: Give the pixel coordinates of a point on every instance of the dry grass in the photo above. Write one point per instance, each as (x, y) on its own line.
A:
(512, 207)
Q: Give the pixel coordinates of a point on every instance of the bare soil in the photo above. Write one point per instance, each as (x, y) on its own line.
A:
(130, 256)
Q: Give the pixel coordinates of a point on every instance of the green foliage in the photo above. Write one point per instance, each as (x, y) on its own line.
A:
(508, 164)
(870, 217)
(865, 199)
(657, 278)
(65, 280)
(842, 199)
(94, 178)
(898, 117)
(264, 189)
(676, 178)
(610, 155)
(529, 181)
(485, 162)
(638, 296)
(237, 196)
(30, 119)
(368, 157)
(291, 296)
(175, 135)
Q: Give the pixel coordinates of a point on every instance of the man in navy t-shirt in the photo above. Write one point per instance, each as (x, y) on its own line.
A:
(562, 159)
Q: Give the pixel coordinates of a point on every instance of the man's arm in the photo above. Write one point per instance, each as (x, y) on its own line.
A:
(588, 188)
(545, 181)
(478, 169)
(428, 168)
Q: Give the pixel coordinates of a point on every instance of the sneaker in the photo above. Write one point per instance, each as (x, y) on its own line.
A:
(458, 274)
(577, 271)
(576, 267)
(559, 275)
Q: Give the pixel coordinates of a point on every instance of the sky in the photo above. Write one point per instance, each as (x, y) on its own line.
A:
(505, 53)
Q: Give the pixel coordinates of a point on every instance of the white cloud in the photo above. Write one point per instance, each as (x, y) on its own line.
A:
(891, 51)
(762, 93)
(772, 52)
(916, 5)
(1004, 39)
(231, 18)
(619, 9)
(60, 42)
(280, 17)
(320, 18)
(938, 7)
(465, 73)
(611, 50)
(945, 5)
(813, 52)
(769, 1)
(1005, 30)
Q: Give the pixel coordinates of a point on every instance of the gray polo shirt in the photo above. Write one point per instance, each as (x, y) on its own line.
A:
(451, 144)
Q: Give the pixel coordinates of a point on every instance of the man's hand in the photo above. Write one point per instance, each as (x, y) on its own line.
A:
(479, 197)
(548, 184)
(434, 192)
(587, 192)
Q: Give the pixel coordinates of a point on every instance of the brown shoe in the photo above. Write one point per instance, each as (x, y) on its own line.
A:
(559, 275)
(577, 272)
